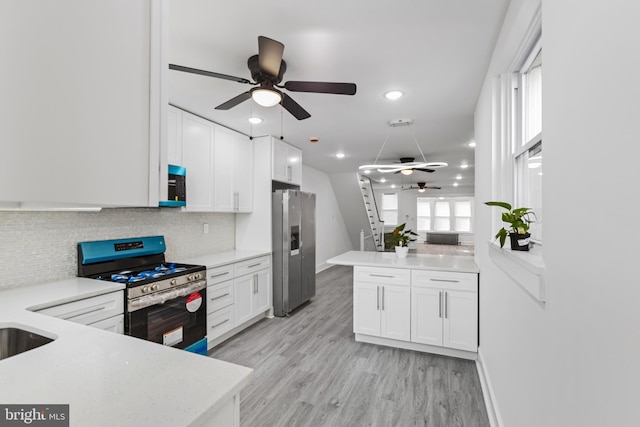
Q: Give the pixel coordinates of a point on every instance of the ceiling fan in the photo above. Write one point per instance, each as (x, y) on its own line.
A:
(422, 187)
(267, 69)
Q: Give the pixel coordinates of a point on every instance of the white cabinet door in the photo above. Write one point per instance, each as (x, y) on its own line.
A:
(366, 308)
(395, 308)
(243, 173)
(460, 320)
(426, 316)
(80, 102)
(243, 290)
(262, 296)
(286, 162)
(197, 157)
(224, 198)
(174, 136)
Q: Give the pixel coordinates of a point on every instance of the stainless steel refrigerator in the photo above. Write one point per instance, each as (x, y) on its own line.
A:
(294, 249)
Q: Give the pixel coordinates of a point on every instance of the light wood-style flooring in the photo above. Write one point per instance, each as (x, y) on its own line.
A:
(309, 371)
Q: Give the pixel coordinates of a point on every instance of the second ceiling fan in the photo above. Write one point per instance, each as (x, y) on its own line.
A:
(267, 70)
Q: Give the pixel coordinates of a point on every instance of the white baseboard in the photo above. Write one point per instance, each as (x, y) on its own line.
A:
(495, 419)
(322, 267)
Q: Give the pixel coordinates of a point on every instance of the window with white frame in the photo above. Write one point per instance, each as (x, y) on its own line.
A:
(390, 208)
(445, 214)
(527, 141)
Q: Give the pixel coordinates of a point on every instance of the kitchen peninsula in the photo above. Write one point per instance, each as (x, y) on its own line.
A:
(422, 302)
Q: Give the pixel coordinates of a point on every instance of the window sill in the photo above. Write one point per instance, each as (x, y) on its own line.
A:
(525, 268)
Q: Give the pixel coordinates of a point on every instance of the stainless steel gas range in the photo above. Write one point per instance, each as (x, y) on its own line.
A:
(165, 302)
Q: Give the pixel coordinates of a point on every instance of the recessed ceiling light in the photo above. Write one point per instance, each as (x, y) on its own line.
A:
(393, 186)
(393, 95)
(458, 177)
(472, 144)
(455, 184)
(340, 155)
(464, 166)
(255, 120)
(383, 180)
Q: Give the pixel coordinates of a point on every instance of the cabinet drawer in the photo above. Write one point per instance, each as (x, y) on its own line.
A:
(219, 274)
(112, 324)
(219, 322)
(390, 276)
(445, 280)
(219, 296)
(252, 265)
(89, 310)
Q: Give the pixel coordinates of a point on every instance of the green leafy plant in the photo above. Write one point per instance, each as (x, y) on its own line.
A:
(519, 220)
(400, 236)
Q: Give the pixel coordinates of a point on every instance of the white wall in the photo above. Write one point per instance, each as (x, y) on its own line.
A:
(575, 360)
(37, 247)
(331, 233)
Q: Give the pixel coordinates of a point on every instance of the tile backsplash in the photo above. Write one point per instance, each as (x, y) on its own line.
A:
(37, 247)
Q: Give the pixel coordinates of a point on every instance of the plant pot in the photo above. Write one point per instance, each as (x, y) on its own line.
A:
(519, 242)
(402, 251)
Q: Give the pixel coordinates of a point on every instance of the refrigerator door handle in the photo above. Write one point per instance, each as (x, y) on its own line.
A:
(378, 298)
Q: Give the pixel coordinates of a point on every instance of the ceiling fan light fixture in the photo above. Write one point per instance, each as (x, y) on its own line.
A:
(421, 190)
(406, 171)
(266, 97)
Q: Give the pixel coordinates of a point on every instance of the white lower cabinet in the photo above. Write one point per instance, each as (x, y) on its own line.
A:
(444, 309)
(432, 311)
(380, 307)
(236, 294)
(102, 311)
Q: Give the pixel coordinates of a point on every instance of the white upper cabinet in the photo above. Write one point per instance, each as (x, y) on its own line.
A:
(219, 164)
(233, 171)
(197, 157)
(80, 111)
(286, 163)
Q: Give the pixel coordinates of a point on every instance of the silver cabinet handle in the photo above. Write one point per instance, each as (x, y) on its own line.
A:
(383, 298)
(253, 265)
(289, 173)
(378, 298)
(221, 296)
(444, 280)
(446, 304)
(440, 304)
(219, 324)
(382, 275)
(219, 274)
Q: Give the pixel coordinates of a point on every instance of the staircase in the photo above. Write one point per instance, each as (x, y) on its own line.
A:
(359, 211)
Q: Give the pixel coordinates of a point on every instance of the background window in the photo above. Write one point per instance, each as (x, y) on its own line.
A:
(528, 156)
(442, 214)
(424, 214)
(390, 208)
(462, 212)
(445, 214)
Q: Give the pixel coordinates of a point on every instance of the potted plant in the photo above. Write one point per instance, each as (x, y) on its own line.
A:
(400, 238)
(518, 231)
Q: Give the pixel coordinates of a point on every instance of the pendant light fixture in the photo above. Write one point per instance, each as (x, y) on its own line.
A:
(407, 165)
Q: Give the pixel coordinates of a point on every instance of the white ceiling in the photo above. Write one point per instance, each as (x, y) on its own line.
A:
(435, 51)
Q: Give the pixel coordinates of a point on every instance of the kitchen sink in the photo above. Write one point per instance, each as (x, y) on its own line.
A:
(14, 341)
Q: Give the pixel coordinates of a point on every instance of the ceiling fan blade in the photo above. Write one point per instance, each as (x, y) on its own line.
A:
(294, 108)
(424, 170)
(434, 188)
(322, 87)
(234, 101)
(208, 73)
(270, 55)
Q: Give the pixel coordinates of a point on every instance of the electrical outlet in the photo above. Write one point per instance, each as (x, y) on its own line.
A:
(205, 228)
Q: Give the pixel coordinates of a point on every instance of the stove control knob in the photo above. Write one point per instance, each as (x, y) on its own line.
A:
(190, 277)
(154, 287)
(145, 289)
(173, 282)
(197, 276)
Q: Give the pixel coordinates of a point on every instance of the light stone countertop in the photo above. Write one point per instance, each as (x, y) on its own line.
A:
(108, 379)
(456, 263)
(223, 258)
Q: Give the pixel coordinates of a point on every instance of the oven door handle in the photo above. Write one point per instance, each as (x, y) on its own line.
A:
(162, 297)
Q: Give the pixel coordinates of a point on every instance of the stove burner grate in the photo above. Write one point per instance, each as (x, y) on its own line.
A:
(131, 277)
